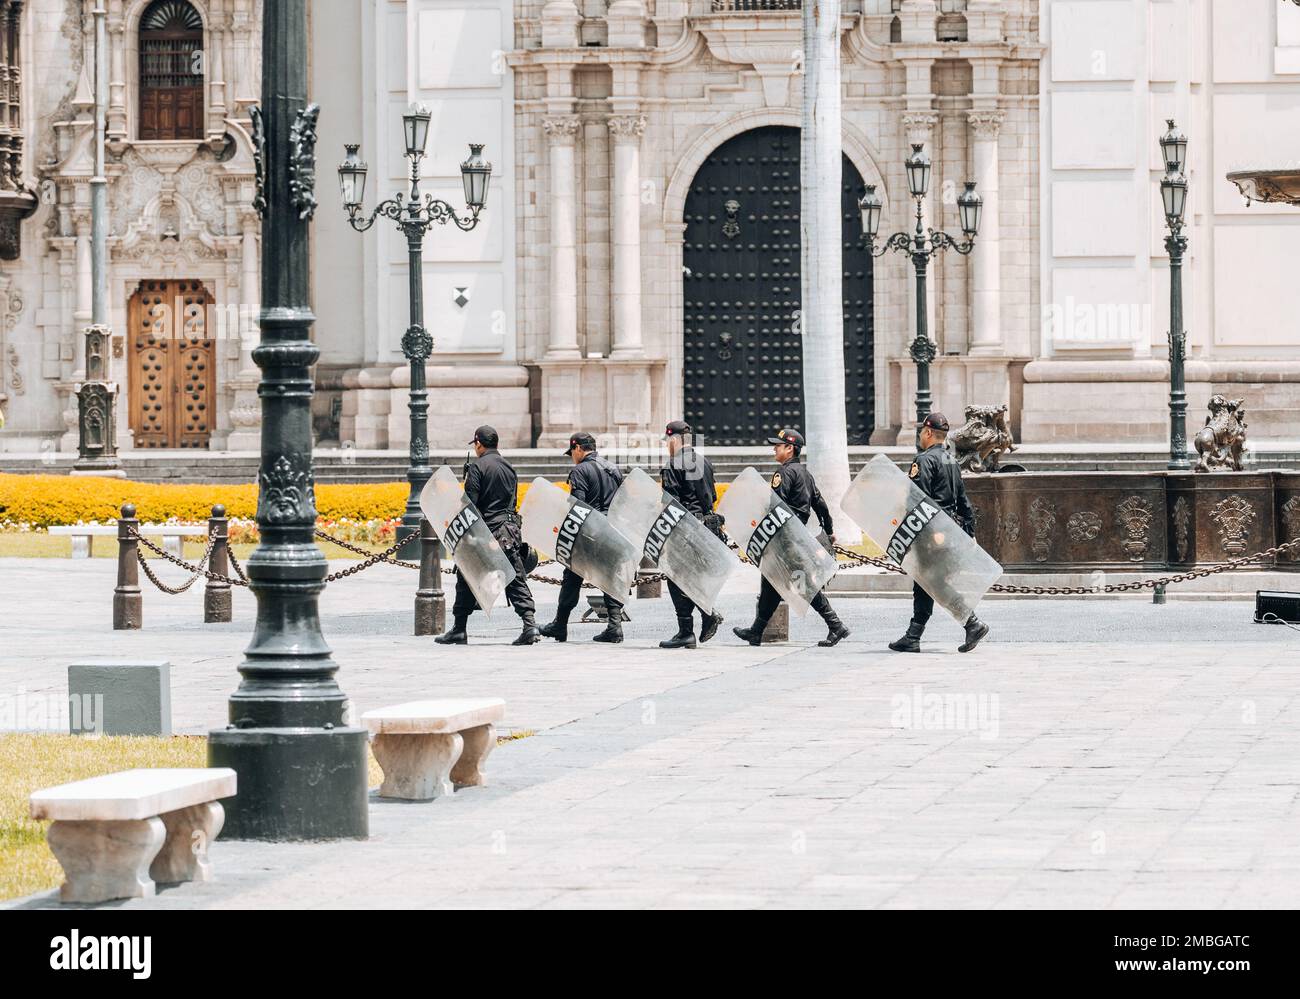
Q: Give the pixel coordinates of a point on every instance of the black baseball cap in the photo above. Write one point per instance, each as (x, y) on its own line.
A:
(936, 421)
(788, 437)
(677, 428)
(584, 441)
(487, 436)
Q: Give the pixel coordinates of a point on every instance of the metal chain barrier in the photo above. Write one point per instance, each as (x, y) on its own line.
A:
(197, 570)
(234, 564)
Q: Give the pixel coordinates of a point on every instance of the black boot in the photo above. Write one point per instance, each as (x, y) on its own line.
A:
(613, 633)
(531, 634)
(975, 631)
(709, 627)
(911, 642)
(685, 637)
(457, 634)
(836, 631)
(753, 634)
(557, 629)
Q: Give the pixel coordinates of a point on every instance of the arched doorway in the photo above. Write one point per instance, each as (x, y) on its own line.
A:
(743, 357)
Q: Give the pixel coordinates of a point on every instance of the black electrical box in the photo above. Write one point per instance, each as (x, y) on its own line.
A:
(1272, 607)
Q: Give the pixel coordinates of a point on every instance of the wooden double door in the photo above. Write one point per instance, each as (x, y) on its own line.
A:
(172, 395)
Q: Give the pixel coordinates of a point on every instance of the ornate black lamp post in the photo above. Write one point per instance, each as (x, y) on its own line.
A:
(1173, 190)
(302, 770)
(415, 217)
(922, 245)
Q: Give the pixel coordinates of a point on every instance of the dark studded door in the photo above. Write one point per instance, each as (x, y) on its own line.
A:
(743, 354)
(172, 393)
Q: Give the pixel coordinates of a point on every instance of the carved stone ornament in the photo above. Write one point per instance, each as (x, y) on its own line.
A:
(302, 162)
(1134, 517)
(1233, 517)
(1083, 526)
(1182, 525)
(259, 159)
(985, 437)
(1291, 523)
(1042, 518)
(1223, 438)
(1013, 527)
(287, 493)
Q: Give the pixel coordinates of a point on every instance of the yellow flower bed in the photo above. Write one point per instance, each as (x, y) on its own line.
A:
(48, 500)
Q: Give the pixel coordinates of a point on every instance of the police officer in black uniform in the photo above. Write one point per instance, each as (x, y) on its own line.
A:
(492, 486)
(937, 474)
(594, 481)
(795, 485)
(688, 478)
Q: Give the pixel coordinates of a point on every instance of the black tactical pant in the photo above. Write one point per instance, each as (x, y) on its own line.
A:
(684, 605)
(922, 605)
(769, 600)
(517, 593)
(571, 589)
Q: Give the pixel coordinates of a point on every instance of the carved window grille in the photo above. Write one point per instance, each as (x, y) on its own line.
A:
(171, 71)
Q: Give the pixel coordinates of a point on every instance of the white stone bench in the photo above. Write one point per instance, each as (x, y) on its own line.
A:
(117, 834)
(426, 747)
(173, 535)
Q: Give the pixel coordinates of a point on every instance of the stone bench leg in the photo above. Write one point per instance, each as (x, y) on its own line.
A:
(81, 545)
(174, 546)
(479, 741)
(417, 767)
(102, 861)
(184, 853)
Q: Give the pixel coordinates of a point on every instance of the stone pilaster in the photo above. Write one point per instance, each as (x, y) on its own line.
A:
(626, 131)
(561, 134)
(986, 260)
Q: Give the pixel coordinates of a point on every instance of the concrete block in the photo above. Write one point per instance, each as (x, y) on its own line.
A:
(120, 698)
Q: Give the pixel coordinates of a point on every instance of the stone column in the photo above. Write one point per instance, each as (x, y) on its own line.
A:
(246, 408)
(626, 131)
(216, 41)
(117, 76)
(81, 318)
(561, 131)
(986, 260)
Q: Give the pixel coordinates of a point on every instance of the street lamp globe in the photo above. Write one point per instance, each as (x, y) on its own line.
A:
(1173, 189)
(870, 206)
(970, 206)
(1173, 144)
(352, 177)
(476, 173)
(918, 171)
(415, 125)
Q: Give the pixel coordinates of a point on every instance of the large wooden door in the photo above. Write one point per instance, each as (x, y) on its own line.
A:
(172, 396)
(743, 378)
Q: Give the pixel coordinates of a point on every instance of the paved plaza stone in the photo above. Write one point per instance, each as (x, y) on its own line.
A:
(1106, 753)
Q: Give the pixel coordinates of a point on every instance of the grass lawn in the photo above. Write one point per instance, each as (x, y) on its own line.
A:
(33, 761)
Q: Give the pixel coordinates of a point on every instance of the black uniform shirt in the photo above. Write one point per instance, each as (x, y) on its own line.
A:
(688, 478)
(492, 485)
(938, 475)
(594, 481)
(797, 487)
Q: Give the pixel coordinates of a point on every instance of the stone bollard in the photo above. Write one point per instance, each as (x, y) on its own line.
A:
(1158, 594)
(216, 595)
(127, 600)
(778, 628)
(430, 602)
(651, 590)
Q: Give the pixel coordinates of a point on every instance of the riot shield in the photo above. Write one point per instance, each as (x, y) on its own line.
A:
(478, 555)
(580, 538)
(674, 540)
(919, 536)
(774, 538)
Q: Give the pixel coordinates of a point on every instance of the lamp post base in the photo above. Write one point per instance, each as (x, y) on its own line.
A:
(294, 783)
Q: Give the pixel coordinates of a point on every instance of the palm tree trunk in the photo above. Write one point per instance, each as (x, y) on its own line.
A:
(822, 319)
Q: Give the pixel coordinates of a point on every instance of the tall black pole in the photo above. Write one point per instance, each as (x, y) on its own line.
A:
(301, 770)
(1176, 244)
(417, 345)
(923, 349)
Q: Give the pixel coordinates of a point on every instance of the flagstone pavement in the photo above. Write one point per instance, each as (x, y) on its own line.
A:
(1092, 753)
